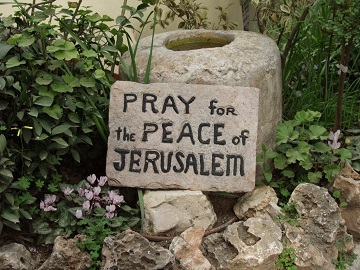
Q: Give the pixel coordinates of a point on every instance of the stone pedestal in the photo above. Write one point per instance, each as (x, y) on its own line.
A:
(233, 58)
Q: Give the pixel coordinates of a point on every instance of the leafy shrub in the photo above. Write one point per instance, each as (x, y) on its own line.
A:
(56, 69)
(305, 152)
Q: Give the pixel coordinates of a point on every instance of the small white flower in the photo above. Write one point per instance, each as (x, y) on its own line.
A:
(86, 205)
(102, 180)
(78, 213)
(89, 195)
(91, 178)
(67, 191)
(97, 191)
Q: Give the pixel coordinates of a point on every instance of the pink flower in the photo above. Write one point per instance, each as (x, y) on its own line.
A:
(86, 205)
(46, 204)
(333, 137)
(81, 192)
(97, 191)
(97, 205)
(78, 213)
(114, 198)
(91, 178)
(49, 208)
(110, 208)
(89, 195)
(109, 214)
(102, 181)
(67, 191)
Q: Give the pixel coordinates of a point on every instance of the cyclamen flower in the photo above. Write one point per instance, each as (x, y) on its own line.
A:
(78, 214)
(102, 181)
(110, 211)
(89, 194)
(333, 137)
(91, 179)
(114, 198)
(86, 205)
(46, 205)
(97, 191)
(67, 191)
(81, 192)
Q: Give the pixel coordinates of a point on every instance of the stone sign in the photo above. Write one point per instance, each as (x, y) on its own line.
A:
(182, 136)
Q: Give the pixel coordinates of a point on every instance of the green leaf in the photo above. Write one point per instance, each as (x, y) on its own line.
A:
(317, 132)
(71, 80)
(74, 117)
(26, 40)
(66, 55)
(268, 176)
(89, 53)
(33, 112)
(345, 154)
(60, 141)
(75, 154)
(321, 147)
(60, 129)
(10, 216)
(280, 162)
(3, 143)
(11, 225)
(87, 82)
(14, 62)
(286, 133)
(6, 173)
(99, 73)
(10, 198)
(4, 49)
(314, 177)
(306, 116)
(61, 88)
(331, 171)
(336, 194)
(46, 79)
(43, 155)
(2, 84)
(43, 101)
(54, 112)
(25, 214)
(288, 173)
(307, 163)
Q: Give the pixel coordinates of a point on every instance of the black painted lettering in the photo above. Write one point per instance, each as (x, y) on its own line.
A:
(169, 102)
(187, 103)
(119, 166)
(165, 133)
(148, 128)
(151, 99)
(179, 156)
(215, 165)
(235, 159)
(191, 161)
(165, 168)
(200, 138)
(134, 161)
(202, 166)
(186, 131)
(151, 156)
(128, 98)
(118, 132)
(218, 134)
(230, 110)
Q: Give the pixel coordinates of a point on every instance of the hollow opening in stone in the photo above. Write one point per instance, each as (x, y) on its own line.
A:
(198, 41)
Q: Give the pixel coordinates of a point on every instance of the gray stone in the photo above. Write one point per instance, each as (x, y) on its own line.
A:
(356, 264)
(246, 59)
(321, 229)
(261, 201)
(179, 143)
(67, 256)
(251, 245)
(130, 250)
(15, 256)
(348, 183)
(176, 211)
(186, 249)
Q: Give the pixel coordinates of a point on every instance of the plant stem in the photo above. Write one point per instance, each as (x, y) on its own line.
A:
(73, 18)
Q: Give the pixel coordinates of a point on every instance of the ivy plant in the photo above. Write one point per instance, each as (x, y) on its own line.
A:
(305, 152)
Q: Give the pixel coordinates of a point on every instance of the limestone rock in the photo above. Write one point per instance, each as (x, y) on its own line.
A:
(67, 256)
(348, 183)
(15, 256)
(130, 250)
(186, 248)
(262, 200)
(320, 229)
(177, 210)
(241, 58)
(251, 245)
